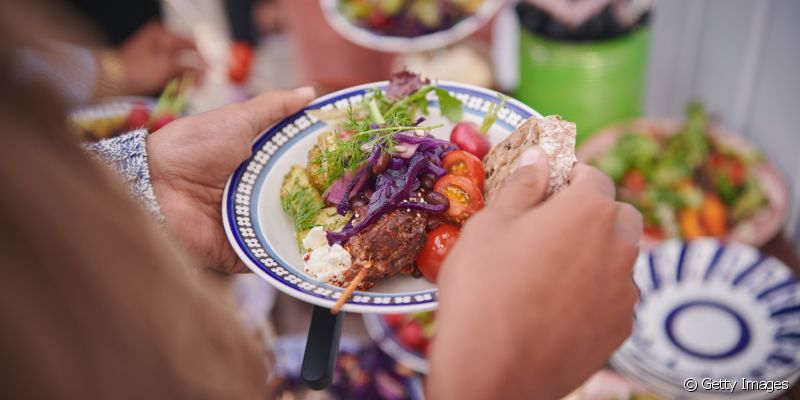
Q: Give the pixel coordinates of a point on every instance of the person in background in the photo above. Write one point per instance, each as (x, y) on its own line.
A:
(141, 66)
(98, 300)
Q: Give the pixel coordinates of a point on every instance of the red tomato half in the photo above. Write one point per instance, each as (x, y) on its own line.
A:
(461, 163)
(440, 241)
(465, 197)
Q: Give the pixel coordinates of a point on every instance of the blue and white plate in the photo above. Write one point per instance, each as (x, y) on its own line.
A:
(712, 311)
(386, 338)
(262, 235)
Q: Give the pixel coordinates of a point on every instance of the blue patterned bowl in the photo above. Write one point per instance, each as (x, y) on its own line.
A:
(262, 235)
(712, 311)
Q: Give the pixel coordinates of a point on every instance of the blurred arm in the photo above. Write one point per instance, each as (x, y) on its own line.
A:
(79, 73)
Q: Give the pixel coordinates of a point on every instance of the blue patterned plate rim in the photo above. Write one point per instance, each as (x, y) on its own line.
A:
(241, 222)
(758, 295)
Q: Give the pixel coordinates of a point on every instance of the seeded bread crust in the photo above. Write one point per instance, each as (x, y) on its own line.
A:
(555, 136)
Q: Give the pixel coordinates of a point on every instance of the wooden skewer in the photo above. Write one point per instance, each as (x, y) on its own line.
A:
(350, 289)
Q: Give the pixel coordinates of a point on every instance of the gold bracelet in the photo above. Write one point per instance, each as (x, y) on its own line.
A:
(113, 74)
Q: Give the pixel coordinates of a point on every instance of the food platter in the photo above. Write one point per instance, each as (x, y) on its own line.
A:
(108, 117)
(716, 311)
(262, 235)
(757, 228)
(398, 44)
(386, 331)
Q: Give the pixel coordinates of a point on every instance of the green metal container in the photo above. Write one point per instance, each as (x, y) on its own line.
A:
(593, 83)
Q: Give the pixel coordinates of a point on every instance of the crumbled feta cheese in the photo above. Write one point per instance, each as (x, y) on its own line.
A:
(328, 263)
(315, 238)
(324, 262)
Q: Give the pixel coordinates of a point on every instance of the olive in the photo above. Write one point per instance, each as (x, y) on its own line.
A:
(382, 164)
(432, 223)
(357, 202)
(436, 199)
(427, 181)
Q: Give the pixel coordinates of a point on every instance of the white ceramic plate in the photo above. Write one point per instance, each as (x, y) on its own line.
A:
(262, 235)
(397, 44)
(716, 311)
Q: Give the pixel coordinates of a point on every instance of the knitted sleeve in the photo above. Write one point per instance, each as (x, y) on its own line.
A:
(127, 155)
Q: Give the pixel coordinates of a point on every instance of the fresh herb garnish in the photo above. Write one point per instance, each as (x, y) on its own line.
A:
(302, 205)
(346, 155)
(491, 116)
(374, 123)
(449, 105)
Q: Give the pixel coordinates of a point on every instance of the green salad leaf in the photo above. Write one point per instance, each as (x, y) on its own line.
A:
(449, 105)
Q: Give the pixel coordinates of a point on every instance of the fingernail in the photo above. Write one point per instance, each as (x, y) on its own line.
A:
(306, 91)
(529, 157)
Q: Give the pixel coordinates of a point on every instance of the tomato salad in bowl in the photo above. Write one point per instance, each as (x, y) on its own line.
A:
(382, 195)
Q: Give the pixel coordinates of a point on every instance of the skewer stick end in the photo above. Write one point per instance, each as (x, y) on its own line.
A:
(349, 291)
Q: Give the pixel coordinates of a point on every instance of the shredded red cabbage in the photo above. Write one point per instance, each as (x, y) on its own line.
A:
(391, 188)
(408, 151)
(436, 170)
(397, 163)
(344, 188)
(427, 140)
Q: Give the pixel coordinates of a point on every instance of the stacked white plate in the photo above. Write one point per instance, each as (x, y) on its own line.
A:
(713, 314)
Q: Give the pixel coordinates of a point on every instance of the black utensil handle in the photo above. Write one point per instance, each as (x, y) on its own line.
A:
(322, 347)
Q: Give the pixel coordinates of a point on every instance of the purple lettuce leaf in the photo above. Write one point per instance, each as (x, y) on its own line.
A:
(403, 84)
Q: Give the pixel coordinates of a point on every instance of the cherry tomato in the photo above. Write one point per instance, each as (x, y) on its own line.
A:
(393, 320)
(411, 335)
(717, 160)
(654, 232)
(468, 137)
(138, 117)
(465, 164)
(439, 242)
(634, 181)
(465, 197)
(728, 166)
(378, 19)
(241, 58)
(426, 348)
(737, 172)
(161, 121)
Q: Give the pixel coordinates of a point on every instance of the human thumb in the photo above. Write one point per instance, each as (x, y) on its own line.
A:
(527, 185)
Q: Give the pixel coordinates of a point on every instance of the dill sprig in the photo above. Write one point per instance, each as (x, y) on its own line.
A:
(348, 154)
(375, 122)
(302, 206)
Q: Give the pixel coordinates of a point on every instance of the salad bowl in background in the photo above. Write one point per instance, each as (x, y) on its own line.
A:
(111, 116)
(423, 41)
(405, 337)
(263, 236)
(757, 228)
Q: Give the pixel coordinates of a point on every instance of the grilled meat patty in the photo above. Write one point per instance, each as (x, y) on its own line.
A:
(389, 246)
